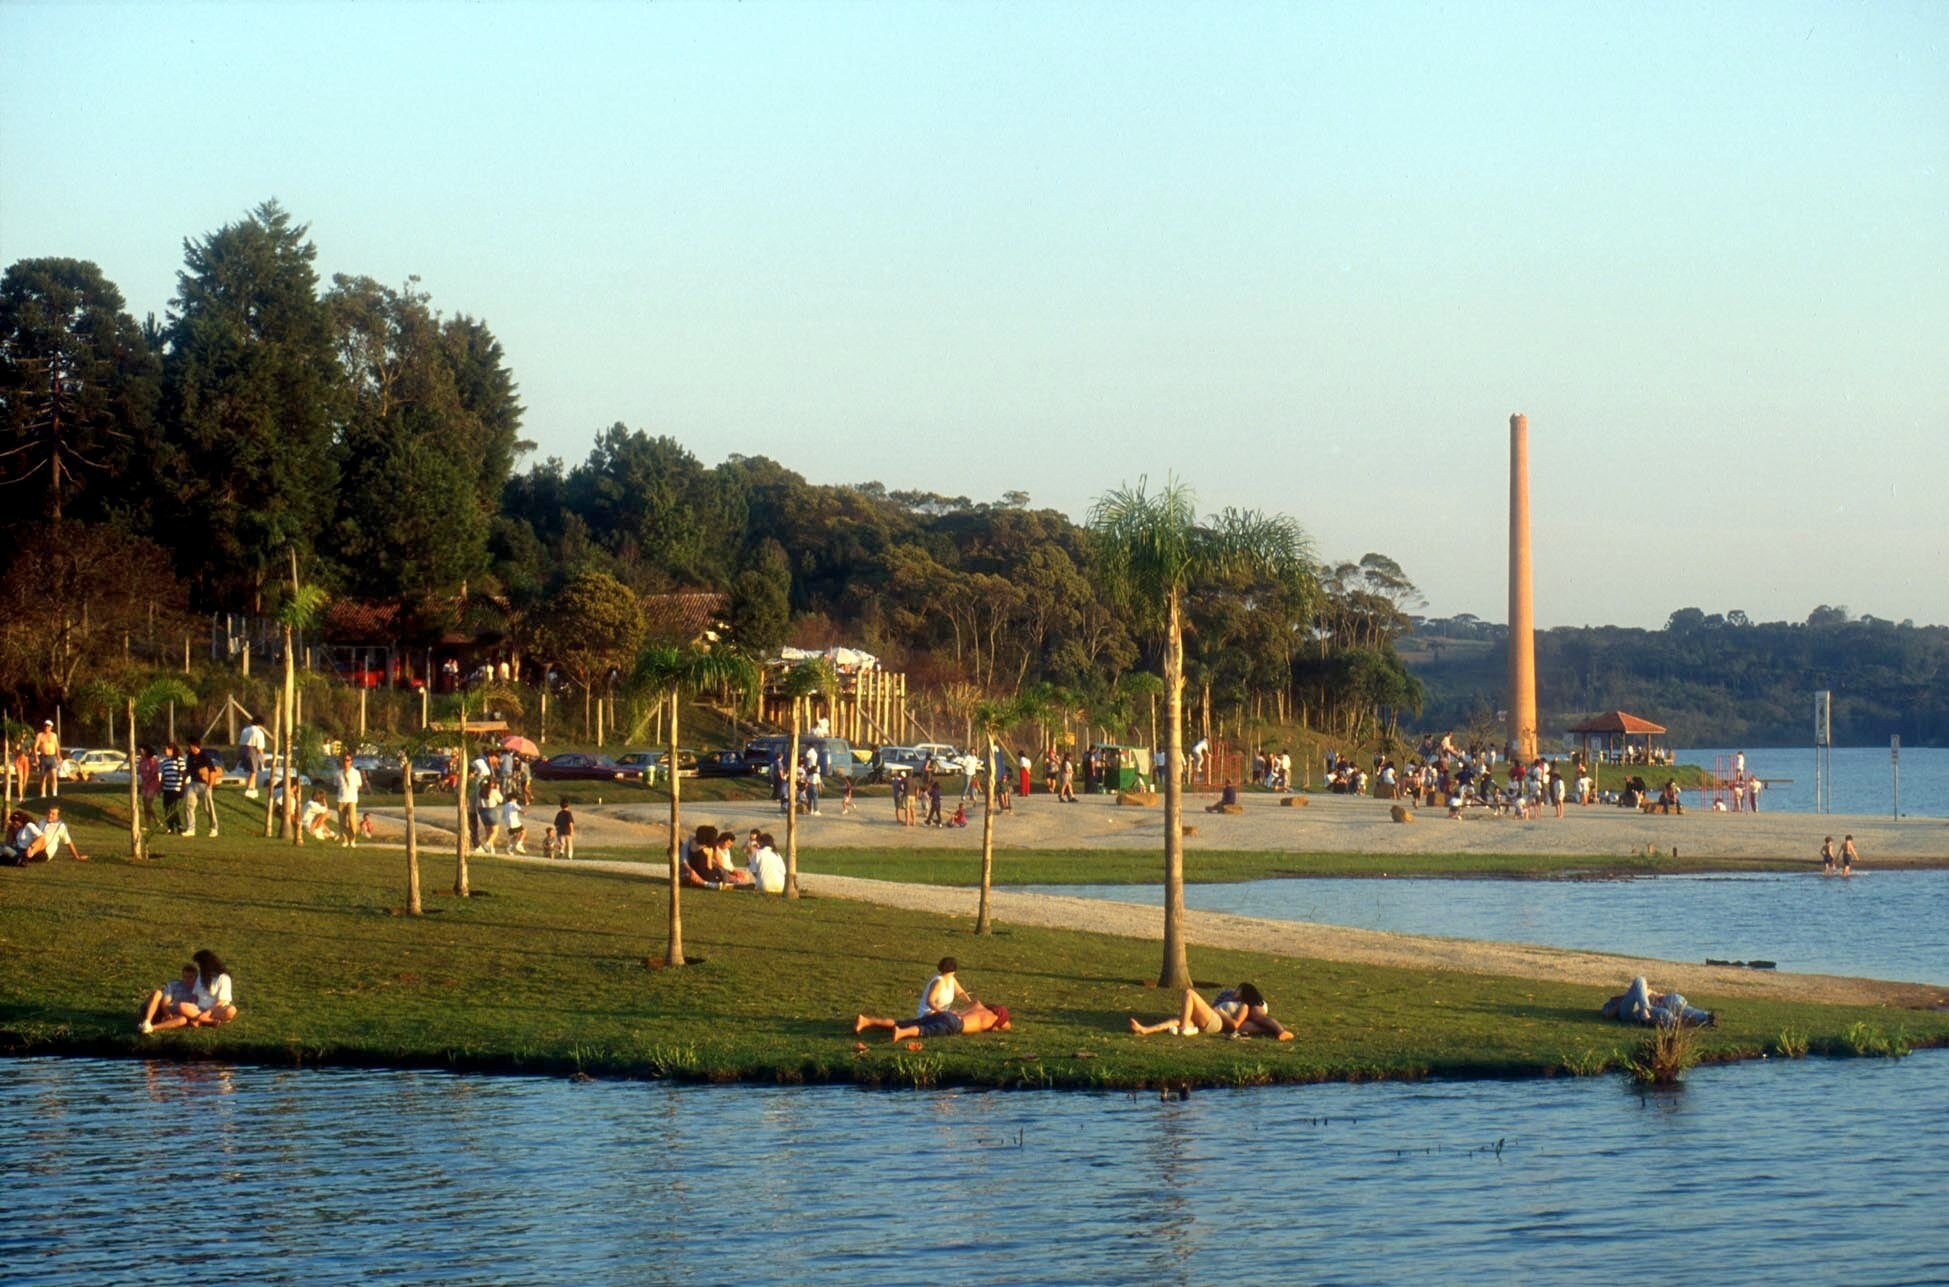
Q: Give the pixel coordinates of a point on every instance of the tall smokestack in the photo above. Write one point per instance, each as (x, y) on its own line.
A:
(1522, 607)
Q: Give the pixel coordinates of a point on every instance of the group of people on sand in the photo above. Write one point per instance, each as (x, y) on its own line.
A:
(202, 998)
(1238, 1013)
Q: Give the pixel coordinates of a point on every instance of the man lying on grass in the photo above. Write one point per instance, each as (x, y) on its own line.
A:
(975, 1017)
(1238, 1012)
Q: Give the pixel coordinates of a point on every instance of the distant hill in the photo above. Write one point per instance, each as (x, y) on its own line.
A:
(1712, 680)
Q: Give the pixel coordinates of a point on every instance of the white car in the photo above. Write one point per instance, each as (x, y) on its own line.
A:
(90, 766)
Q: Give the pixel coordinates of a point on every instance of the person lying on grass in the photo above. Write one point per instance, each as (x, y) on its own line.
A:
(975, 1017)
(1238, 1012)
(1639, 1004)
(201, 998)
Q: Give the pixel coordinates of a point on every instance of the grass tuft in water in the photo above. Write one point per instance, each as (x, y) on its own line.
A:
(1663, 1057)
(1790, 1044)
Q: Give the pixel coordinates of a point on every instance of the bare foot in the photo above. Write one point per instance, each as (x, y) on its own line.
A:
(859, 1024)
(1136, 1027)
(1286, 1035)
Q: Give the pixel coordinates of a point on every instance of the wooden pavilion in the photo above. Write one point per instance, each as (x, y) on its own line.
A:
(1621, 738)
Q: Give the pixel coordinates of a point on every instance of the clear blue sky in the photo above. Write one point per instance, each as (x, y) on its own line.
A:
(1309, 257)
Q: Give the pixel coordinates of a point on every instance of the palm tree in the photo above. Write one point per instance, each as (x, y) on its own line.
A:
(813, 677)
(294, 616)
(672, 673)
(1154, 553)
(993, 719)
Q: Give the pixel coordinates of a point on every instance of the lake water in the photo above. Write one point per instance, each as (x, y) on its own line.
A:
(1878, 924)
(1819, 1171)
(1863, 781)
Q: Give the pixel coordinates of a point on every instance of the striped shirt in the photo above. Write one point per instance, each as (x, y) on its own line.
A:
(173, 771)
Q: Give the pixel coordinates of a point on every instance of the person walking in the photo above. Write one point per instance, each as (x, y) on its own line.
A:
(205, 776)
(1848, 855)
(254, 739)
(1066, 776)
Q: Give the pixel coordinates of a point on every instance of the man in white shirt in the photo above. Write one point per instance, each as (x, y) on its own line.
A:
(254, 740)
(349, 782)
(56, 834)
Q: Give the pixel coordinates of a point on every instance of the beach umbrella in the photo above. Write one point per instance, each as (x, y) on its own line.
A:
(520, 746)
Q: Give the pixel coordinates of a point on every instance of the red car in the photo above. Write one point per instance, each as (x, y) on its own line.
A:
(575, 766)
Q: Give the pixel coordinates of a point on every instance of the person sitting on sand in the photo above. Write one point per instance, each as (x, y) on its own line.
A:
(976, 1017)
(1639, 1004)
(1227, 798)
(172, 1005)
(1239, 1012)
(1669, 797)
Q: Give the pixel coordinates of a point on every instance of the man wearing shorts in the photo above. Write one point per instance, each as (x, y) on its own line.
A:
(47, 758)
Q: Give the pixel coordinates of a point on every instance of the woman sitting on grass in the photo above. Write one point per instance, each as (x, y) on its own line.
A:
(977, 1017)
(1238, 1012)
(201, 998)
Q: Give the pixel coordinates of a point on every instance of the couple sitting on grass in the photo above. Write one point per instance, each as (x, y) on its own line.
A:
(711, 862)
(1239, 1012)
(200, 999)
(936, 1015)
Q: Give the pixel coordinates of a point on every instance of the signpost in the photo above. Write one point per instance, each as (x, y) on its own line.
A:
(1895, 767)
(1823, 751)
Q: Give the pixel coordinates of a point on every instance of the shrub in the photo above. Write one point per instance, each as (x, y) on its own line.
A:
(1664, 1055)
(1790, 1044)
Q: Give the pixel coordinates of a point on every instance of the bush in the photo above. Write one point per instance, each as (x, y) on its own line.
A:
(1664, 1055)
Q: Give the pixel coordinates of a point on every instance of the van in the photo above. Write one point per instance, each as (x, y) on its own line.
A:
(836, 759)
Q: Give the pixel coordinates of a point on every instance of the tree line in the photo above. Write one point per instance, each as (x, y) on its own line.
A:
(1713, 679)
(174, 466)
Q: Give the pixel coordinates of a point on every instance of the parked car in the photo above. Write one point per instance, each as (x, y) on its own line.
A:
(721, 764)
(577, 766)
(88, 766)
(652, 766)
(944, 754)
(890, 762)
(383, 773)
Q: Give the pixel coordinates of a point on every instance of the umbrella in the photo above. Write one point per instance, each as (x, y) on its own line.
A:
(520, 746)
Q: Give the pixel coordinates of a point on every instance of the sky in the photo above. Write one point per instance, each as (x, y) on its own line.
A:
(1308, 258)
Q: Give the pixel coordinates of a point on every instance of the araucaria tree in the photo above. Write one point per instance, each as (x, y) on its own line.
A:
(1153, 554)
(673, 674)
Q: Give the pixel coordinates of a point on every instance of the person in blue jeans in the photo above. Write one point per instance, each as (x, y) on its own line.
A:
(1639, 1004)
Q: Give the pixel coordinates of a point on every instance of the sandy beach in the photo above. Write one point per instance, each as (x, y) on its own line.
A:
(1327, 824)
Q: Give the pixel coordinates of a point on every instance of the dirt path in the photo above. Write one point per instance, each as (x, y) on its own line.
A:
(1336, 943)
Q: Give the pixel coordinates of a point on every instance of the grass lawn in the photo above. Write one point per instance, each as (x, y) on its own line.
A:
(547, 971)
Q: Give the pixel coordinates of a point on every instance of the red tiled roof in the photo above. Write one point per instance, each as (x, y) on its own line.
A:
(684, 616)
(1617, 722)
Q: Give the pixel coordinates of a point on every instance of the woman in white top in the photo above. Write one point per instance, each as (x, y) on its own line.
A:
(942, 990)
(214, 1003)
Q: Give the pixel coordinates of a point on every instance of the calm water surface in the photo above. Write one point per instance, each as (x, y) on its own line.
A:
(1863, 778)
(1819, 1171)
(1879, 924)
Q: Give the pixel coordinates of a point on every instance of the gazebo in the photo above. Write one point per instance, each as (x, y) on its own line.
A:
(1626, 739)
